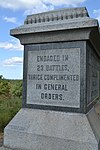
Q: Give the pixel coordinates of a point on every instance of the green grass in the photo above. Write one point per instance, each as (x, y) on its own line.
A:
(8, 109)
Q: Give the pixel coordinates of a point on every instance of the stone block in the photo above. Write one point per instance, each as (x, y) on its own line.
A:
(46, 130)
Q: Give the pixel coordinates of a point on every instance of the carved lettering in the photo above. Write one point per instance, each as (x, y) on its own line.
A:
(53, 77)
(48, 58)
(49, 96)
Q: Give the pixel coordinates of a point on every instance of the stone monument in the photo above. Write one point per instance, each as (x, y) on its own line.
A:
(61, 83)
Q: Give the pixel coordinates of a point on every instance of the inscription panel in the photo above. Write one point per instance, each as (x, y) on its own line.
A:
(93, 76)
(53, 77)
(94, 92)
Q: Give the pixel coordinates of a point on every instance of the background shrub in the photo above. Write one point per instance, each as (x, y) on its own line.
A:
(10, 100)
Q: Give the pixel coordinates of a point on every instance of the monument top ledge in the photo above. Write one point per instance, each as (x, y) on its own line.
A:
(70, 18)
(57, 15)
(52, 25)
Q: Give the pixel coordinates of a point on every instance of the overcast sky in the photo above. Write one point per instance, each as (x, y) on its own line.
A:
(13, 14)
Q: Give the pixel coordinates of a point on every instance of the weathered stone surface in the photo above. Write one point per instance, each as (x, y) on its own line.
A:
(4, 148)
(56, 15)
(78, 65)
(39, 129)
(93, 75)
(54, 77)
(56, 20)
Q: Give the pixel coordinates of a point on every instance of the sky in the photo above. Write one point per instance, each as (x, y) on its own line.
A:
(13, 13)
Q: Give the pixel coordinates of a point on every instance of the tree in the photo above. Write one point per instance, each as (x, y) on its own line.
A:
(1, 77)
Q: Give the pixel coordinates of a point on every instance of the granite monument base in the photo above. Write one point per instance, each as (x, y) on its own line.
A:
(33, 129)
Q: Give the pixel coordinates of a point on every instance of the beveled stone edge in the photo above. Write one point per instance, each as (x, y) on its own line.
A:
(55, 26)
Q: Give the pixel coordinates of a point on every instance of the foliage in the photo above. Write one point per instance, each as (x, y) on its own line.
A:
(10, 88)
(1, 77)
(4, 87)
(17, 90)
(8, 109)
(10, 100)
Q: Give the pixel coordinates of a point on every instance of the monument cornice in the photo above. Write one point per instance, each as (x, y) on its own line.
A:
(56, 15)
(65, 19)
